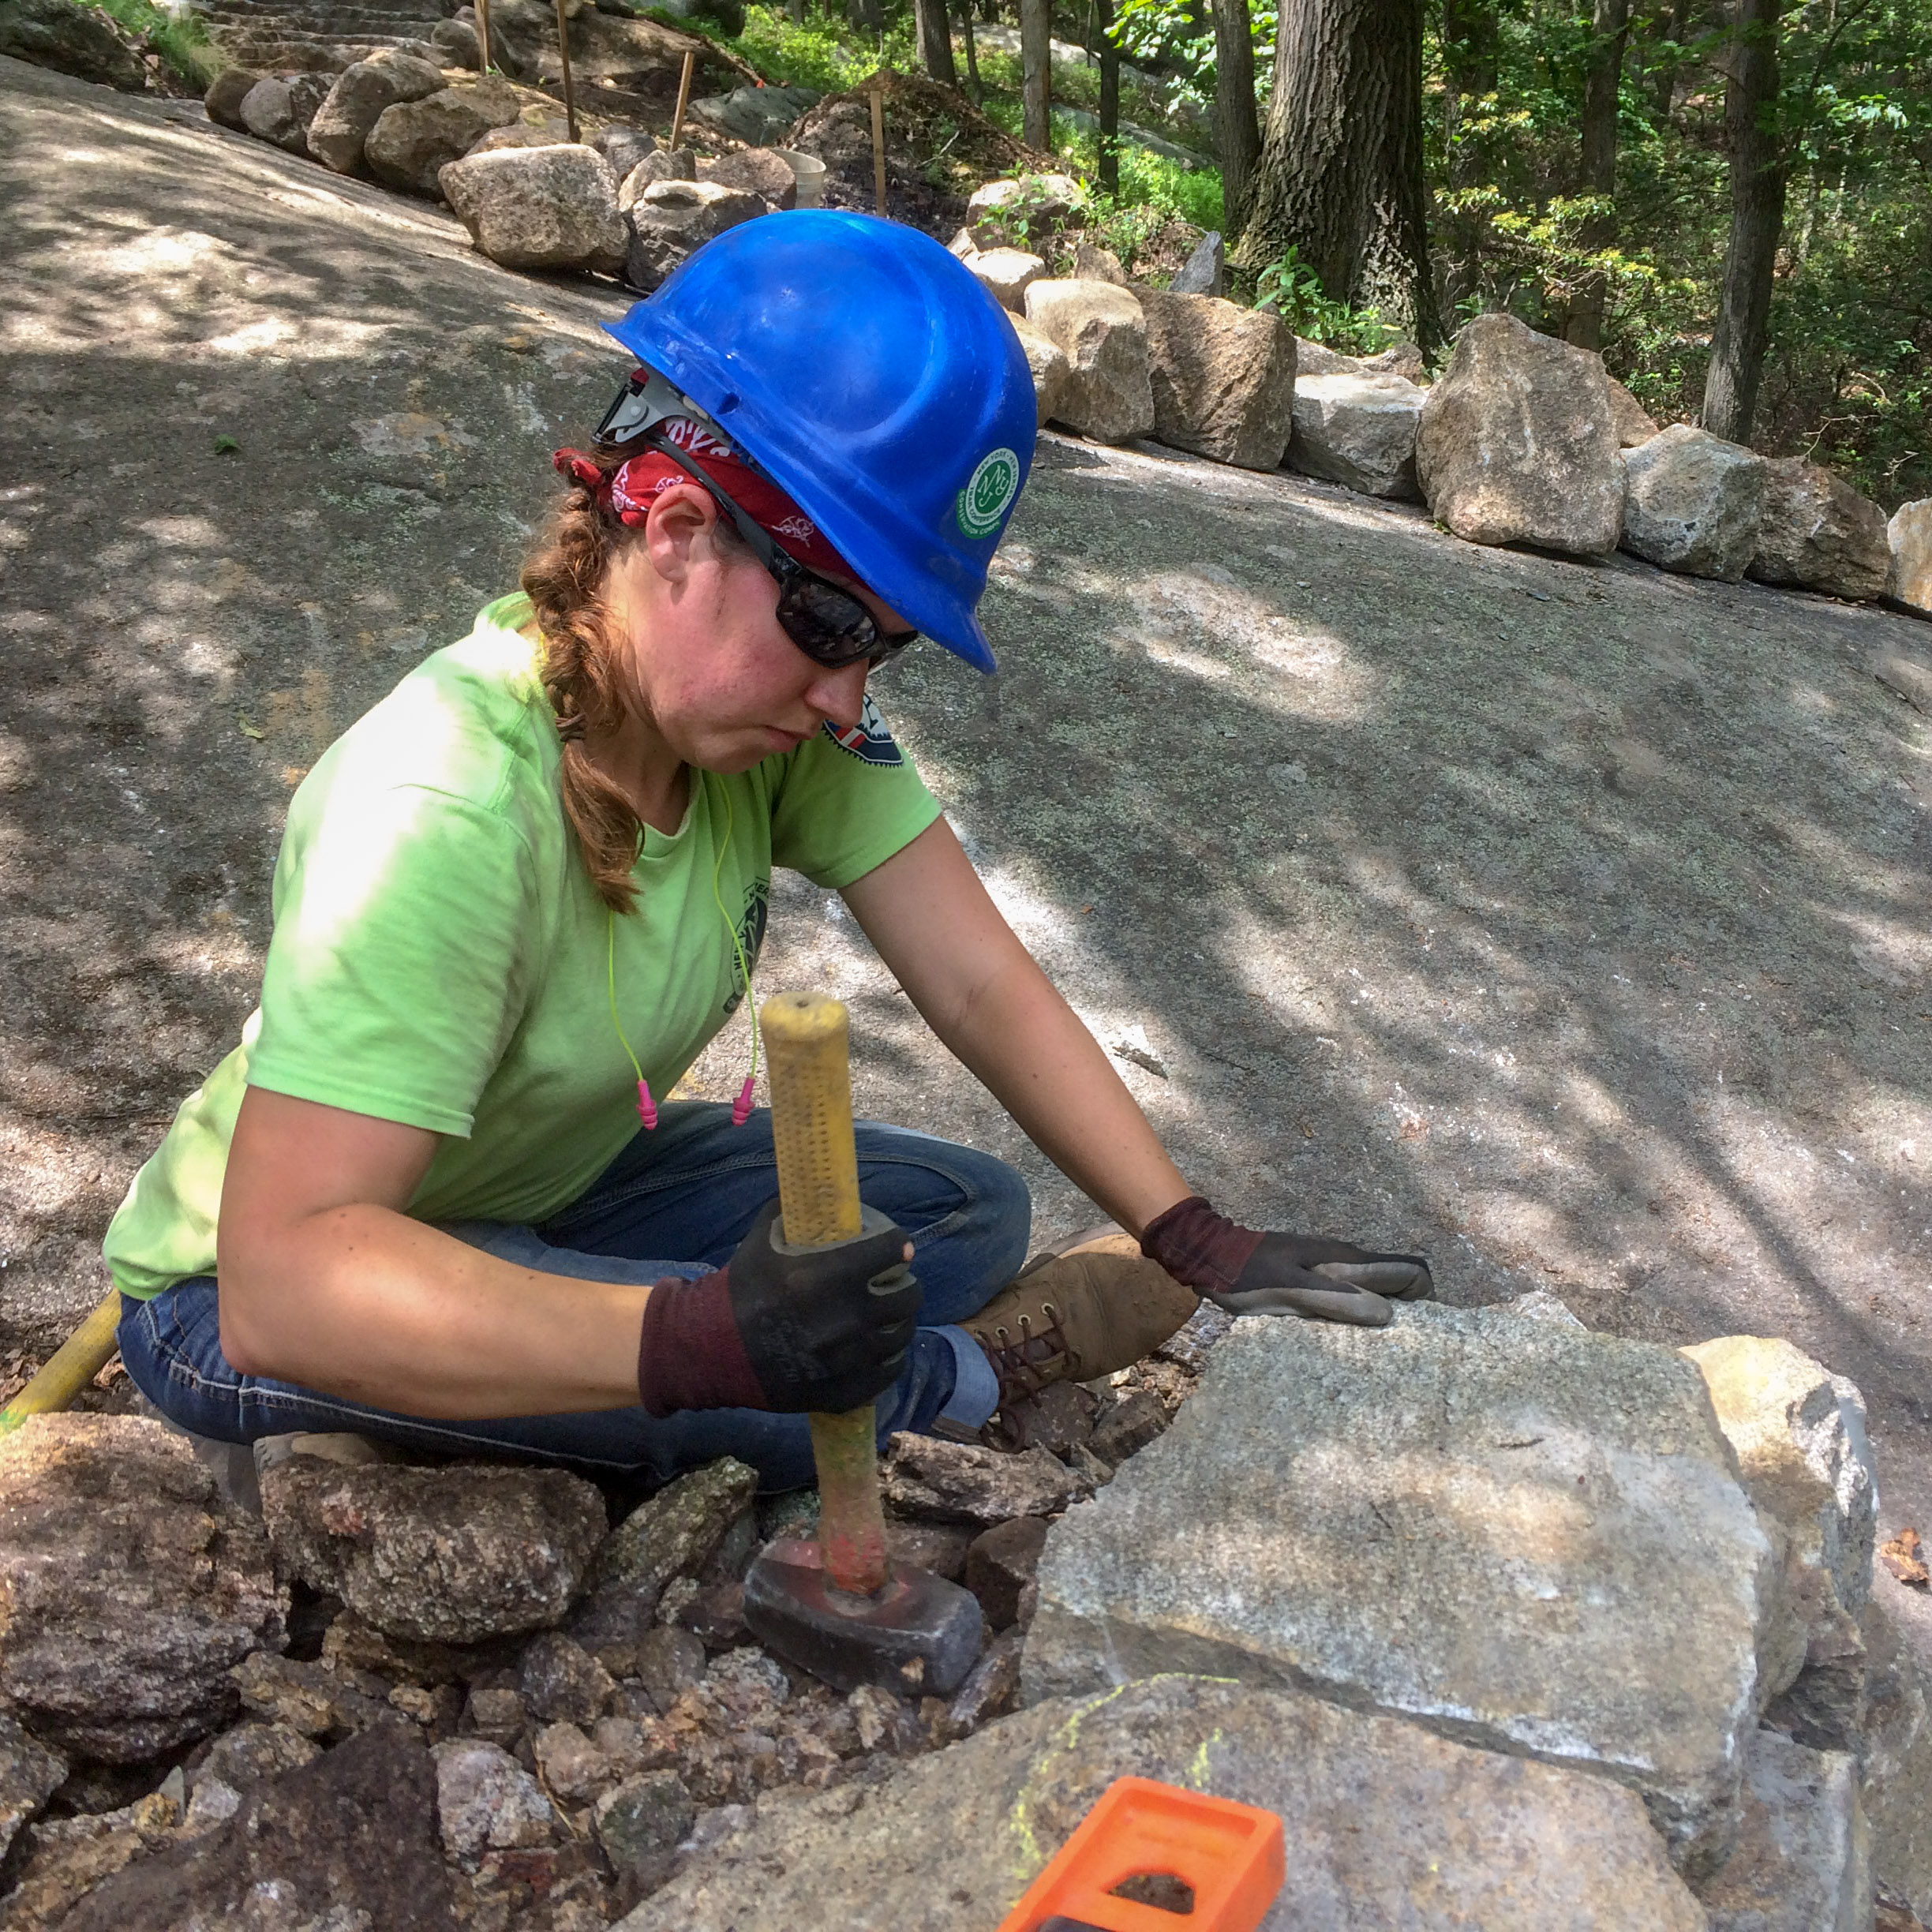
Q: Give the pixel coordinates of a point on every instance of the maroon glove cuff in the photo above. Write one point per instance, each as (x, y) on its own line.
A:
(690, 1353)
(1196, 1245)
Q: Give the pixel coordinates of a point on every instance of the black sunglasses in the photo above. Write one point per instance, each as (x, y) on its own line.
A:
(829, 624)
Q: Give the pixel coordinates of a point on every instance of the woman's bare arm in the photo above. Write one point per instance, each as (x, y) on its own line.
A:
(325, 1281)
(981, 991)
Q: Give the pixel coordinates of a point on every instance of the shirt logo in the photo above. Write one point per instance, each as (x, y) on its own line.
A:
(868, 740)
(984, 502)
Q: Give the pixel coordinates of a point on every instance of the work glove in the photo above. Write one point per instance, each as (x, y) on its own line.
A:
(819, 1328)
(1248, 1273)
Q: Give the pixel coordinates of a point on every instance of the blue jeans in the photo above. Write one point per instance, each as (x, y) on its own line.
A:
(677, 1201)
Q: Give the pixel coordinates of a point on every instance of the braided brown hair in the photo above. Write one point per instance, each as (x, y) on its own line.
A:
(565, 579)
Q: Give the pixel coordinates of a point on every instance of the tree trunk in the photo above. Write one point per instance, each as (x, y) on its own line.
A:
(1237, 132)
(1603, 74)
(1757, 178)
(1036, 73)
(935, 39)
(1472, 46)
(868, 15)
(1110, 100)
(972, 54)
(1339, 179)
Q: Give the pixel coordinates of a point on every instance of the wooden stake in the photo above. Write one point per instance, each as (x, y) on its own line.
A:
(684, 81)
(482, 14)
(878, 140)
(570, 93)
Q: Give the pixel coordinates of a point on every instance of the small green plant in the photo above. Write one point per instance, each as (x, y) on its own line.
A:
(182, 41)
(226, 446)
(1291, 289)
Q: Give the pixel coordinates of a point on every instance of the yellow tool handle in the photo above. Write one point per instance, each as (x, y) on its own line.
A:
(72, 1366)
(807, 1041)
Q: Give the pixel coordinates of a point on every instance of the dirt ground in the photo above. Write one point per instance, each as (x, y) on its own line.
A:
(1566, 921)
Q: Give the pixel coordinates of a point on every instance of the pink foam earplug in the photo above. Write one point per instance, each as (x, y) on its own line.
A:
(647, 1107)
(741, 1108)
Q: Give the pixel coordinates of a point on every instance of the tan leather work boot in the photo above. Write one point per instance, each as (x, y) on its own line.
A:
(1092, 1305)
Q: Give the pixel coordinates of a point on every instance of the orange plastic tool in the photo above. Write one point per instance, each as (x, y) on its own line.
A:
(1229, 1855)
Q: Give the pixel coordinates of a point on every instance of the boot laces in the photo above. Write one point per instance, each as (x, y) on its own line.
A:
(1025, 1365)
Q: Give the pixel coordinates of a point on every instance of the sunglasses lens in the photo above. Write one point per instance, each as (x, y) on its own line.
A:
(825, 623)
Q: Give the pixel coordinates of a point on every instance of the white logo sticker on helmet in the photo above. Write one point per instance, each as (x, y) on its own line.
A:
(984, 500)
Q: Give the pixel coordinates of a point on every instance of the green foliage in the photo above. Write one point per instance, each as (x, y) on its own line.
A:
(822, 51)
(1292, 290)
(182, 43)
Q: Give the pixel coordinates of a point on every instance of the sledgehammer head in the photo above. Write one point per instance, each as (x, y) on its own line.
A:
(918, 1635)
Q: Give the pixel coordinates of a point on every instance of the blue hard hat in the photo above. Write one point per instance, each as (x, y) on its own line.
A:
(876, 379)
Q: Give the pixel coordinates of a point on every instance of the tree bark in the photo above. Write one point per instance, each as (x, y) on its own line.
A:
(1236, 132)
(1759, 170)
(1339, 178)
(1036, 73)
(1110, 99)
(972, 54)
(1603, 74)
(1472, 54)
(935, 39)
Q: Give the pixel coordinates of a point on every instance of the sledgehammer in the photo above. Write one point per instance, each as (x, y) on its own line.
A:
(835, 1605)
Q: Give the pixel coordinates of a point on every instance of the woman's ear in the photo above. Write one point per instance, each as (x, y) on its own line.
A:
(679, 530)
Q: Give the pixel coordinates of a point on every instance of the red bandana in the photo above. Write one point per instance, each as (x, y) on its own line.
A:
(629, 492)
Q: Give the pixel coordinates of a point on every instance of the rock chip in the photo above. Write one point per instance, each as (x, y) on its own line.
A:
(358, 100)
(1529, 1537)
(347, 1841)
(561, 1682)
(1133, 1420)
(1204, 272)
(573, 1768)
(30, 1774)
(279, 108)
(659, 164)
(1009, 273)
(669, 1661)
(1635, 425)
(457, 44)
(453, 1554)
(252, 1753)
(641, 1824)
(761, 171)
(1798, 1432)
(73, 39)
(495, 1712)
(676, 1533)
(1106, 394)
(936, 1481)
(1223, 378)
(672, 218)
(992, 1686)
(1517, 444)
(1358, 430)
(128, 1587)
(1390, 1825)
(413, 141)
(223, 99)
(1909, 535)
(1819, 534)
(487, 1802)
(547, 207)
(313, 1699)
(1000, 1563)
(624, 146)
(1803, 1858)
(1692, 502)
(1050, 370)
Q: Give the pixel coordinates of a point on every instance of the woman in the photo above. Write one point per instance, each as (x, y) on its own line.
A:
(431, 1197)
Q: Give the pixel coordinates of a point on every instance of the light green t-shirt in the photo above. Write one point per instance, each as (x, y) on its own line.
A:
(440, 958)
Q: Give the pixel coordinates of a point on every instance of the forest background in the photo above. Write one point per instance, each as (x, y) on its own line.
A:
(1732, 199)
